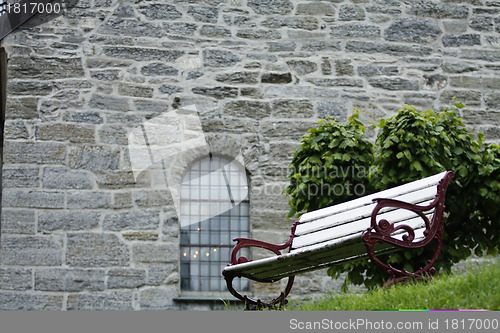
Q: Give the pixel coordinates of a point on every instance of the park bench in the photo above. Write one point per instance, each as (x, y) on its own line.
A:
(408, 216)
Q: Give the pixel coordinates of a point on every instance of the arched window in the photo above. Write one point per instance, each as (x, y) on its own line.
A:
(214, 211)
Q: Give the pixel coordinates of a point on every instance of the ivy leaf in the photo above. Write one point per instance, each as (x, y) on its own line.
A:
(408, 155)
(417, 166)
(315, 159)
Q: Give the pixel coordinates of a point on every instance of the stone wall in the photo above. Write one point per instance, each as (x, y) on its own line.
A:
(80, 232)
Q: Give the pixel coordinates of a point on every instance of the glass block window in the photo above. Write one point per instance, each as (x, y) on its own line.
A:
(214, 211)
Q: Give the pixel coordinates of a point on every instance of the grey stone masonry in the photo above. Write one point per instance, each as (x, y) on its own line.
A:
(81, 232)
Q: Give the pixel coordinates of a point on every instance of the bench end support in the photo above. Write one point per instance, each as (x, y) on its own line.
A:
(381, 233)
(251, 303)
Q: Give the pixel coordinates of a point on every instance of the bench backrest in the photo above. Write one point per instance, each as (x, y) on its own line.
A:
(347, 221)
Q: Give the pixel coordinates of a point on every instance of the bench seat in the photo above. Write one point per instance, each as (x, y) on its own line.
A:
(402, 216)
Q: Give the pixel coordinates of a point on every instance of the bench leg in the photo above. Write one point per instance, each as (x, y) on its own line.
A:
(418, 276)
(257, 304)
(399, 275)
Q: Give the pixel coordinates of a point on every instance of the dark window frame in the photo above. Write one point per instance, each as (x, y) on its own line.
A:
(205, 246)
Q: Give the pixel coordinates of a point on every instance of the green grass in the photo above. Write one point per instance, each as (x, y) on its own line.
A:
(479, 288)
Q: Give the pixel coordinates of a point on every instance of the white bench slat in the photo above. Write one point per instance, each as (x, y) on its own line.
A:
(389, 193)
(419, 197)
(416, 223)
(359, 225)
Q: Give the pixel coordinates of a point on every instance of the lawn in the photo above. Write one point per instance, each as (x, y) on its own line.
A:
(478, 288)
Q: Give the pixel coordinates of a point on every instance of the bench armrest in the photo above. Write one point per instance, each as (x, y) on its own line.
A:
(385, 228)
(405, 205)
(247, 242)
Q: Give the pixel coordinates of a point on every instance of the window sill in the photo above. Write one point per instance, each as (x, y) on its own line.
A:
(194, 298)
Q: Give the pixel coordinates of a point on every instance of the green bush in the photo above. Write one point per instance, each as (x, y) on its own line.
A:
(330, 166)
(487, 186)
(410, 146)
